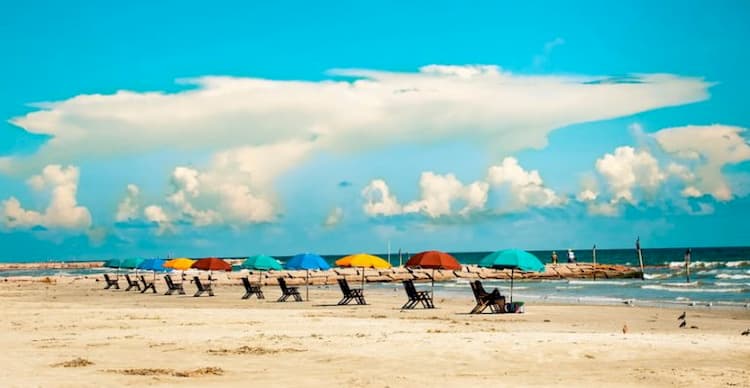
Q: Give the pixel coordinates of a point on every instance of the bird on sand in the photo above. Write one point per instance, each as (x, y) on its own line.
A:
(681, 316)
(625, 329)
(682, 325)
(746, 332)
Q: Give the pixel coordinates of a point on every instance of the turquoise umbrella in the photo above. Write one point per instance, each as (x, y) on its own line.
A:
(261, 263)
(113, 263)
(131, 263)
(513, 259)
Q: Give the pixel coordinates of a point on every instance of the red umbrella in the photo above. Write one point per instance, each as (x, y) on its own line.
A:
(212, 264)
(434, 260)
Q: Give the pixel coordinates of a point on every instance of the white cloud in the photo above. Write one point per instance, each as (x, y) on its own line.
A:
(708, 149)
(379, 201)
(440, 192)
(627, 169)
(334, 217)
(157, 215)
(445, 195)
(587, 195)
(526, 187)
(505, 111)
(63, 211)
(541, 59)
(127, 209)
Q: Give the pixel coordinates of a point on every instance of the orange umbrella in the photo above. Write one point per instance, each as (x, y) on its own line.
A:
(434, 260)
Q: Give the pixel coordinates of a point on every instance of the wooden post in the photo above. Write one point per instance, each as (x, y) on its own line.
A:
(640, 256)
(688, 253)
(593, 254)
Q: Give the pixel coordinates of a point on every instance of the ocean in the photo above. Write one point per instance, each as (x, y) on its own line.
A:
(720, 278)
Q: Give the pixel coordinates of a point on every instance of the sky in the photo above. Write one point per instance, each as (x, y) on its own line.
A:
(184, 128)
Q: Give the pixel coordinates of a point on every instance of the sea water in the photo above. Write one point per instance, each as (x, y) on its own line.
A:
(719, 277)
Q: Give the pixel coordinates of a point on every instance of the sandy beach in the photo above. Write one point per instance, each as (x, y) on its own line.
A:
(73, 334)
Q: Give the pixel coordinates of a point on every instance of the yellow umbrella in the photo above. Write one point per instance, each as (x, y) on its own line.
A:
(363, 260)
(181, 263)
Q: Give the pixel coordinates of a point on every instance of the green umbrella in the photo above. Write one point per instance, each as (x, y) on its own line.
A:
(113, 263)
(131, 263)
(261, 263)
(513, 259)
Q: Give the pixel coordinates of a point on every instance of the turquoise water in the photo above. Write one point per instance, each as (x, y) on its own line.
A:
(720, 277)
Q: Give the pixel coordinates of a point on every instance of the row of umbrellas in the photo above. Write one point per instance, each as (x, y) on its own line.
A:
(513, 259)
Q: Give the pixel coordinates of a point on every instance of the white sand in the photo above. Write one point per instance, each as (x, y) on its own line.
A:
(263, 343)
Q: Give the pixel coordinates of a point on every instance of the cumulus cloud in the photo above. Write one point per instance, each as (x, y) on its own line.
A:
(334, 217)
(378, 199)
(440, 192)
(127, 209)
(439, 102)
(446, 195)
(707, 149)
(63, 211)
(526, 187)
(155, 214)
(627, 169)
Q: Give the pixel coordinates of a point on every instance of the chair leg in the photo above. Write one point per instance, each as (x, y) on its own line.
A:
(247, 295)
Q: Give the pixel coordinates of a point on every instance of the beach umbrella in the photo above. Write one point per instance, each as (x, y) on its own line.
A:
(212, 264)
(307, 261)
(114, 263)
(180, 263)
(513, 259)
(434, 260)
(363, 260)
(153, 265)
(131, 263)
(261, 263)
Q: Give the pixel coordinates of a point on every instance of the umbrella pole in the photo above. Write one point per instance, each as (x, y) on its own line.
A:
(432, 288)
(511, 284)
(307, 286)
(363, 280)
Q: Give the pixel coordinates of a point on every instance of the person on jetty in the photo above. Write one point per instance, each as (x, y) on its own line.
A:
(554, 257)
(571, 256)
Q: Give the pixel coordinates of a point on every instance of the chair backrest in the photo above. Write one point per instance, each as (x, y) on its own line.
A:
(411, 291)
(106, 277)
(344, 286)
(127, 277)
(198, 283)
(169, 281)
(475, 289)
(282, 284)
(143, 279)
(246, 283)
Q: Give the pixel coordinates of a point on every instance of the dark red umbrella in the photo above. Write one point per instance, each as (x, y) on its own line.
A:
(434, 260)
(212, 264)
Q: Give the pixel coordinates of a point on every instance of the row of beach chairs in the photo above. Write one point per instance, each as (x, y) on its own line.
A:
(484, 300)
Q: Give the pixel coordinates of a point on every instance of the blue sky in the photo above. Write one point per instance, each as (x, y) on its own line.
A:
(337, 127)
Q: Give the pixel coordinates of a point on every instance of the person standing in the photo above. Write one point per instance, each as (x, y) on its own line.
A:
(554, 257)
(571, 256)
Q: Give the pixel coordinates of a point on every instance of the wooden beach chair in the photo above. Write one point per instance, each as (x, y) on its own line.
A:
(202, 287)
(416, 297)
(286, 292)
(494, 300)
(172, 286)
(252, 289)
(111, 282)
(132, 283)
(350, 293)
(147, 285)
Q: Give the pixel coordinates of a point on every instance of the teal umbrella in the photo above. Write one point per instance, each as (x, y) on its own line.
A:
(130, 263)
(113, 263)
(261, 263)
(513, 259)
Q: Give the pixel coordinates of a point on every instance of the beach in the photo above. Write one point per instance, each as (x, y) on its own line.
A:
(71, 332)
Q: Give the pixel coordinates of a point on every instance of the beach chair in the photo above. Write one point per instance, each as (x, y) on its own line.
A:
(350, 293)
(416, 297)
(147, 285)
(286, 292)
(172, 286)
(494, 300)
(202, 287)
(132, 283)
(111, 282)
(251, 289)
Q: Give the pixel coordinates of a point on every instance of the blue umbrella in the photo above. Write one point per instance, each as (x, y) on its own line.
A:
(307, 261)
(152, 265)
(513, 259)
